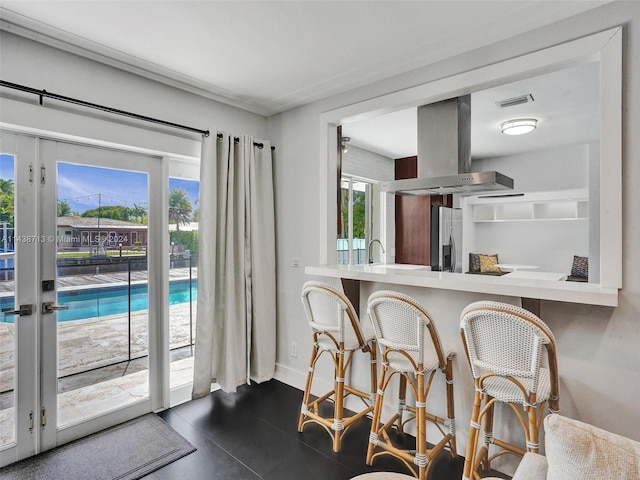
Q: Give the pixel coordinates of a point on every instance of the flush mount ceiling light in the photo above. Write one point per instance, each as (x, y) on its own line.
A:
(519, 126)
(344, 144)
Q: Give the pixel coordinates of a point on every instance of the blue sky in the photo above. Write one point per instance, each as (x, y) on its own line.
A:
(84, 186)
(6, 167)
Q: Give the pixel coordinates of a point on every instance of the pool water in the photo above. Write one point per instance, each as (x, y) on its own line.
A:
(101, 301)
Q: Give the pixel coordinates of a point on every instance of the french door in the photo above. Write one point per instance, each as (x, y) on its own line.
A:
(78, 286)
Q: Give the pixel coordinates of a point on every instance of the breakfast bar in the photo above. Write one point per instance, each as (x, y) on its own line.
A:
(521, 283)
(445, 295)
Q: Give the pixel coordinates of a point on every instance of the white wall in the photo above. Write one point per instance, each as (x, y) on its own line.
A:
(38, 66)
(368, 165)
(550, 244)
(545, 170)
(598, 354)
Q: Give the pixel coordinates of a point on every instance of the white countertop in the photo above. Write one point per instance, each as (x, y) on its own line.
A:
(518, 285)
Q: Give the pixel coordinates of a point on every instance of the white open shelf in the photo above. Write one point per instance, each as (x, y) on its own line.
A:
(564, 205)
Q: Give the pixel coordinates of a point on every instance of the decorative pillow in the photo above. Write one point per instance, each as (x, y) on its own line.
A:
(580, 267)
(488, 263)
(474, 263)
(578, 450)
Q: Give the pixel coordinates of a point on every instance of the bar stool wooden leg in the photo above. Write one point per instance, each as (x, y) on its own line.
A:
(532, 431)
(402, 403)
(377, 412)
(421, 459)
(373, 349)
(450, 408)
(488, 428)
(307, 388)
(338, 425)
(482, 458)
(474, 432)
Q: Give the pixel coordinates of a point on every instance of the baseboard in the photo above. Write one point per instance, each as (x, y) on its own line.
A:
(291, 377)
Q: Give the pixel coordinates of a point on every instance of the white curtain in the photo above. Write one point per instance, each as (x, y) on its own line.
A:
(236, 311)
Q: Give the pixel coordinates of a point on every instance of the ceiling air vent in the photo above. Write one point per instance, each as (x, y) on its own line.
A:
(512, 102)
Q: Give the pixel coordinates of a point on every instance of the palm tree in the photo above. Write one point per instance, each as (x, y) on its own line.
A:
(195, 217)
(179, 207)
(140, 213)
(6, 201)
(6, 186)
(64, 209)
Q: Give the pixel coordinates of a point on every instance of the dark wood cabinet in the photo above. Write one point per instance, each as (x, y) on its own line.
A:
(413, 218)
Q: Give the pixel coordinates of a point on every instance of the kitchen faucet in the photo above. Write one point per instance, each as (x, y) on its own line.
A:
(371, 251)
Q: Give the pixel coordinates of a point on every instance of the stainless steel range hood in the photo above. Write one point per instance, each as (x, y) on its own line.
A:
(444, 155)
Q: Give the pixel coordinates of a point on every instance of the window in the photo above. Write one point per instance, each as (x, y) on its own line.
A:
(356, 221)
(183, 215)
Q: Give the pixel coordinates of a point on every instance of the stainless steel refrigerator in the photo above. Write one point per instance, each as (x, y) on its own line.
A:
(446, 239)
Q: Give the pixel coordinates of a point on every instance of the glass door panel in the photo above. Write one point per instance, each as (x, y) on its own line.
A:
(97, 294)
(7, 303)
(183, 277)
(344, 244)
(18, 298)
(360, 221)
(355, 221)
(102, 330)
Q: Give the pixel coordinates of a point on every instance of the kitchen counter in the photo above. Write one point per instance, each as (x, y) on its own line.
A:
(516, 286)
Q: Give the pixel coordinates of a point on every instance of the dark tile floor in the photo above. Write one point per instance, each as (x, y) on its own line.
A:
(253, 434)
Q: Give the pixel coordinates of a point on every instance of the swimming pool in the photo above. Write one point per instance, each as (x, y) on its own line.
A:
(101, 301)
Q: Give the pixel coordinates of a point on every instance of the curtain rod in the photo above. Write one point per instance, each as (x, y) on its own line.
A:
(62, 98)
(220, 136)
(55, 96)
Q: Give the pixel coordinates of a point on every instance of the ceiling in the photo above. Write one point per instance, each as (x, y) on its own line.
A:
(271, 56)
(565, 103)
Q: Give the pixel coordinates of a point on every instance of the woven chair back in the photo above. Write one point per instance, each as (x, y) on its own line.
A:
(330, 311)
(402, 324)
(504, 339)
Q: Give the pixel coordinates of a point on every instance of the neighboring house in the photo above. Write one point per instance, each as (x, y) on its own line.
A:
(83, 233)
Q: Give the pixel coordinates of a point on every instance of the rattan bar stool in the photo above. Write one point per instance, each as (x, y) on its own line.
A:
(505, 346)
(411, 348)
(337, 330)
